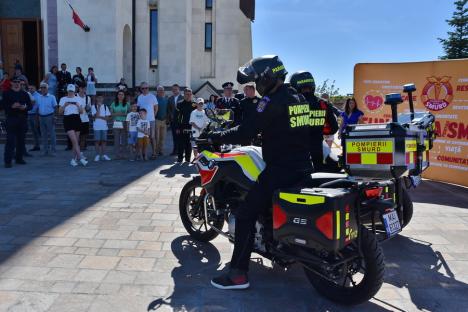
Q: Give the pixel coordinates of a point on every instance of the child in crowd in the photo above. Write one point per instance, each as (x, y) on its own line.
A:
(199, 121)
(143, 128)
(101, 115)
(132, 120)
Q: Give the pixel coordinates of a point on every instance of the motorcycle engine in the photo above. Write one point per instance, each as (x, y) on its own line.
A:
(259, 243)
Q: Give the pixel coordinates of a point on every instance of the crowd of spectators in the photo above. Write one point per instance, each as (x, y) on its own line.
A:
(139, 120)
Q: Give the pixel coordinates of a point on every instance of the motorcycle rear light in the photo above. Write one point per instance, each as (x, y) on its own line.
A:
(279, 217)
(325, 224)
(374, 192)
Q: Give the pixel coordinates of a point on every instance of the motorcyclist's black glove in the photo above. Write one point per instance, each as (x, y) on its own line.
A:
(214, 137)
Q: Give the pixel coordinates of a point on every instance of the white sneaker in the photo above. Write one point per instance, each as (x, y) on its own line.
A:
(106, 157)
(97, 158)
(84, 162)
(73, 162)
(82, 156)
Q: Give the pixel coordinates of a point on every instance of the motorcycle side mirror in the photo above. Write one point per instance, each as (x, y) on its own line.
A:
(210, 113)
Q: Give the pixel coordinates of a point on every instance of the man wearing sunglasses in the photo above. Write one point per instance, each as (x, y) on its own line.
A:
(16, 103)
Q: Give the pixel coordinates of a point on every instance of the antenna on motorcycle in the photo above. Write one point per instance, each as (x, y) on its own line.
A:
(410, 88)
(393, 99)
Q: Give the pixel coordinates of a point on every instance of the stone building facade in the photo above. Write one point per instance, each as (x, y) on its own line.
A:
(193, 43)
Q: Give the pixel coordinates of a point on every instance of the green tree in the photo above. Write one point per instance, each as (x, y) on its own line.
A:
(327, 87)
(456, 45)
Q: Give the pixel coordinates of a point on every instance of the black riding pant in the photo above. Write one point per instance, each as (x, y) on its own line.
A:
(16, 128)
(183, 145)
(174, 137)
(316, 153)
(259, 201)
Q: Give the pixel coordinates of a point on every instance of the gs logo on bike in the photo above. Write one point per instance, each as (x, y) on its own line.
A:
(300, 221)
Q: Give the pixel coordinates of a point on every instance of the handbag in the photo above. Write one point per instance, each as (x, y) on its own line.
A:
(118, 125)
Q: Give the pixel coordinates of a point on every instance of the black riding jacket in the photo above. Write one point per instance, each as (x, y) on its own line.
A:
(322, 117)
(248, 108)
(183, 111)
(282, 118)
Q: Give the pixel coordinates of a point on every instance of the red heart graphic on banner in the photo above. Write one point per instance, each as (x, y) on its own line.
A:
(373, 102)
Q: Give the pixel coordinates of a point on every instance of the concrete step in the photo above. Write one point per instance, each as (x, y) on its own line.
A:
(61, 136)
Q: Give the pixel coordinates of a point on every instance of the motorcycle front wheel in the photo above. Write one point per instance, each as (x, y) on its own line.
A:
(192, 212)
(360, 279)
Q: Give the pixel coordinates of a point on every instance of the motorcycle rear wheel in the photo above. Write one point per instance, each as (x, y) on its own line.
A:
(349, 293)
(407, 208)
(192, 213)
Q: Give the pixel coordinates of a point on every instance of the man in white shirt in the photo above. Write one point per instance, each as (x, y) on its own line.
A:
(101, 115)
(149, 102)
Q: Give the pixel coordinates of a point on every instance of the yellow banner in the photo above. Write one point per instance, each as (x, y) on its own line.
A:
(442, 89)
(365, 146)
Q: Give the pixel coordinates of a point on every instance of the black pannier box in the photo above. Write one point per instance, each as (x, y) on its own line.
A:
(318, 218)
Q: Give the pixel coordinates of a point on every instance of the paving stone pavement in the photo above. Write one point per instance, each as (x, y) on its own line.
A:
(108, 238)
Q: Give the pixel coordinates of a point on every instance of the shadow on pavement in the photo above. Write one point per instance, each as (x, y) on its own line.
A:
(438, 193)
(272, 289)
(415, 265)
(183, 169)
(38, 199)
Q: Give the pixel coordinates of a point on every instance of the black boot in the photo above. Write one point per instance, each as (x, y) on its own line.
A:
(234, 279)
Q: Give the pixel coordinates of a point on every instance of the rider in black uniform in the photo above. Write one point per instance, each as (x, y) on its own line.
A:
(248, 108)
(282, 117)
(323, 121)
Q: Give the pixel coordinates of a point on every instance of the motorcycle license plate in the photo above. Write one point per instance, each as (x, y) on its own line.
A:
(392, 224)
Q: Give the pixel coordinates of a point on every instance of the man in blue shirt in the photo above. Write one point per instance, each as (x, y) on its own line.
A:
(33, 123)
(161, 120)
(46, 104)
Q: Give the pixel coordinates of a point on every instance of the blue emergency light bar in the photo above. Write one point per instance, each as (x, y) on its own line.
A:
(393, 98)
(410, 87)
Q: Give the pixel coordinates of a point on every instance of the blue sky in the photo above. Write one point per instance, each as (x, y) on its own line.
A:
(328, 37)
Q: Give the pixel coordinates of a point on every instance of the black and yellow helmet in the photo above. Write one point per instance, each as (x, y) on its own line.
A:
(302, 79)
(265, 71)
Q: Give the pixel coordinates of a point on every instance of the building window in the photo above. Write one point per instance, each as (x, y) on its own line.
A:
(208, 36)
(209, 4)
(154, 38)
